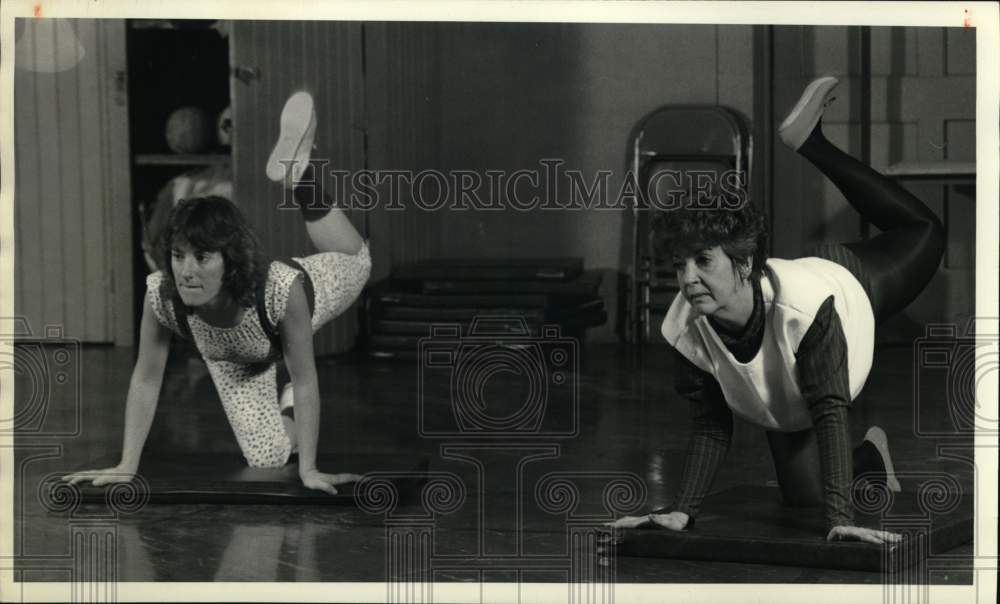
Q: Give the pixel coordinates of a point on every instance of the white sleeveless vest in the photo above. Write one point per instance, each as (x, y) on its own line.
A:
(765, 391)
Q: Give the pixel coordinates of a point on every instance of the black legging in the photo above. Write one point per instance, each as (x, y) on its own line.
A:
(900, 261)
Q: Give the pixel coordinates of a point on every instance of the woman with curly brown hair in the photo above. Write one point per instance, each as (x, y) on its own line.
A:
(244, 314)
(788, 344)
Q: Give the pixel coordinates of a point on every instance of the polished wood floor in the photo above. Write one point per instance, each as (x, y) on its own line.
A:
(629, 422)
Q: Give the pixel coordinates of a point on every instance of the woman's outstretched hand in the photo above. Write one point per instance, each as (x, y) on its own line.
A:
(627, 522)
(857, 533)
(675, 521)
(314, 479)
(101, 477)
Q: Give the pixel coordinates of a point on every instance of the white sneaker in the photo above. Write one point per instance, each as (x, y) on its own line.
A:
(877, 437)
(295, 143)
(805, 115)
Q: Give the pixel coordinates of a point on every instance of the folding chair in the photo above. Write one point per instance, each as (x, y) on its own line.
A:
(685, 140)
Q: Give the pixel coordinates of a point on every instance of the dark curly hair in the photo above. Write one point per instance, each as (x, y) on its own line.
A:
(741, 233)
(215, 224)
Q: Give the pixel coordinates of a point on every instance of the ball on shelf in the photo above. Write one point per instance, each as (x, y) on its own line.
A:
(189, 130)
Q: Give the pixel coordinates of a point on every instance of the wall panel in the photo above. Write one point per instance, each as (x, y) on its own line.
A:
(72, 217)
(403, 125)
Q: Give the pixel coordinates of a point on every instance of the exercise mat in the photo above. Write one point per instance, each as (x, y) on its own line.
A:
(750, 524)
(226, 479)
(540, 269)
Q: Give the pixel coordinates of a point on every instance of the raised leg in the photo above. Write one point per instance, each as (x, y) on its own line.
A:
(899, 261)
(328, 227)
(342, 266)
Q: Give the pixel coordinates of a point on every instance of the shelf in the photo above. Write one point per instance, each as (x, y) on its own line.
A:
(174, 159)
(933, 170)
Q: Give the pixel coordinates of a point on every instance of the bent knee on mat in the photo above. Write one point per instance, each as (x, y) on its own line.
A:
(273, 459)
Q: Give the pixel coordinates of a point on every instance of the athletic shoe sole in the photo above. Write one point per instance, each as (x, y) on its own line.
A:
(298, 125)
(805, 115)
(877, 437)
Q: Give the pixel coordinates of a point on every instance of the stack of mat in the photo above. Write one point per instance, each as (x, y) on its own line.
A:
(529, 293)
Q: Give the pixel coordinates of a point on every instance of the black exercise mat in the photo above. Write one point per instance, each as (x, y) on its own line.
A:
(394, 342)
(749, 524)
(540, 269)
(226, 479)
(461, 301)
(423, 328)
(582, 314)
(571, 322)
(458, 315)
(409, 355)
(586, 285)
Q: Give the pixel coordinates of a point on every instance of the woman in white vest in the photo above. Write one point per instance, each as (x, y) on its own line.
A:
(787, 344)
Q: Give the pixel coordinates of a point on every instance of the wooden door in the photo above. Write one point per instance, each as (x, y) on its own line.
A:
(72, 216)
